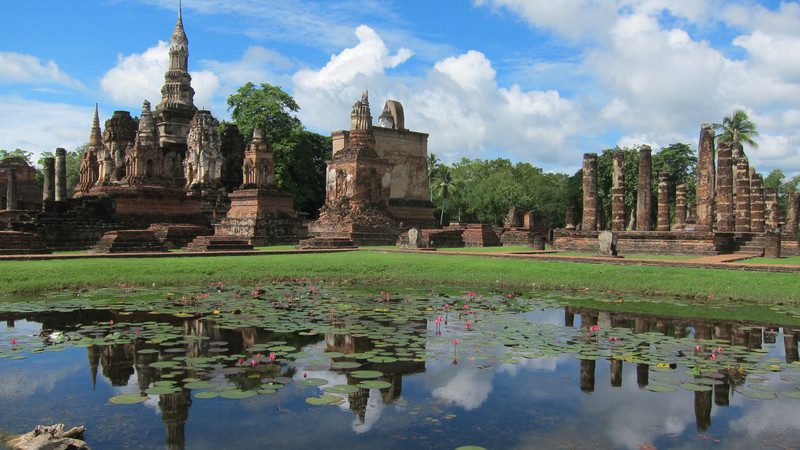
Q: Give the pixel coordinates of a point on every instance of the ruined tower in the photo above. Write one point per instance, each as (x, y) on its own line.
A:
(89, 172)
(175, 112)
(144, 162)
(202, 166)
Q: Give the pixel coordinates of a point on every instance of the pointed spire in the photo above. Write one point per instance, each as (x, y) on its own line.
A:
(180, 15)
(96, 136)
(146, 123)
(258, 134)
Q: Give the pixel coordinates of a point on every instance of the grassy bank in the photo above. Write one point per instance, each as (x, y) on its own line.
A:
(22, 278)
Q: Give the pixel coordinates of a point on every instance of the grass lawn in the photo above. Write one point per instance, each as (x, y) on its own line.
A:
(639, 256)
(500, 249)
(788, 260)
(390, 270)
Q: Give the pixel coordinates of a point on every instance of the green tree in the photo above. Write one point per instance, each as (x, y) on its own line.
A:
(444, 188)
(737, 123)
(73, 166)
(299, 154)
(433, 166)
(17, 153)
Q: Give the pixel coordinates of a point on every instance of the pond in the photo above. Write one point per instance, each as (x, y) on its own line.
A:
(301, 366)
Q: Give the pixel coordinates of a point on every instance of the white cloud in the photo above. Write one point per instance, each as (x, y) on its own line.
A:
(21, 68)
(37, 126)
(139, 77)
(368, 58)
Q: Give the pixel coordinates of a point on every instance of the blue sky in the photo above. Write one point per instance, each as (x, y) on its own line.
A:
(530, 80)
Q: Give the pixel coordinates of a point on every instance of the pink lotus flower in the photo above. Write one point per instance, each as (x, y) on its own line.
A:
(241, 361)
(594, 328)
(713, 356)
(259, 356)
(253, 362)
(697, 348)
(466, 306)
(472, 294)
(455, 342)
(111, 323)
(272, 357)
(446, 306)
(438, 320)
(469, 324)
(13, 342)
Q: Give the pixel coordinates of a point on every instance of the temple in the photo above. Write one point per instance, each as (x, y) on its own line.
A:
(733, 211)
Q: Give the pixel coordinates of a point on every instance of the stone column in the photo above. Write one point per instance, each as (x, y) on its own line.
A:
(49, 181)
(643, 194)
(771, 208)
(742, 196)
(680, 207)
(11, 190)
(772, 244)
(663, 203)
(618, 194)
(589, 222)
(756, 203)
(61, 175)
(791, 213)
(705, 179)
(726, 222)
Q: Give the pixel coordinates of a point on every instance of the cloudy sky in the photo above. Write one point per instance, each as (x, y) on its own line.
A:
(530, 80)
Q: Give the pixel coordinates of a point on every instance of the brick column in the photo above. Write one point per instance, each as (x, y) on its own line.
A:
(589, 222)
(680, 207)
(756, 203)
(643, 194)
(705, 179)
(11, 190)
(791, 214)
(742, 196)
(663, 203)
(770, 208)
(61, 175)
(49, 181)
(618, 194)
(725, 217)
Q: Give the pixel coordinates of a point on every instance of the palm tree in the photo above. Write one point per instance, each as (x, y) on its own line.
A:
(737, 125)
(444, 187)
(433, 166)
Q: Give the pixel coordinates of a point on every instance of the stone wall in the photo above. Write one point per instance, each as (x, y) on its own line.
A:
(651, 242)
(407, 152)
(29, 194)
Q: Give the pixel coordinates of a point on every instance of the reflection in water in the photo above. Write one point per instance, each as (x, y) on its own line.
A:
(468, 387)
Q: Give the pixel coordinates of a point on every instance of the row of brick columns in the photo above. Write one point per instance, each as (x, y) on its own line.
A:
(728, 186)
(54, 186)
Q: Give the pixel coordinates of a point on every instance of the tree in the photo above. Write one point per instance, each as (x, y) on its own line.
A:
(433, 166)
(737, 123)
(299, 154)
(74, 158)
(444, 188)
(17, 153)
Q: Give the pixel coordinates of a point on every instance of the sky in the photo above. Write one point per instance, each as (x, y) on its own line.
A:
(529, 80)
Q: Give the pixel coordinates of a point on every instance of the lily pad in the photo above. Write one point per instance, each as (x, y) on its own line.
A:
(374, 384)
(126, 399)
(323, 400)
(363, 374)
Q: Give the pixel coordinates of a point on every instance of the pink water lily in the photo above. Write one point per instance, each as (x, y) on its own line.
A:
(272, 357)
(259, 356)
(111, 323)
(253, 362)
(446, 306)
(469, 324)
(13, 342)
(241, 361)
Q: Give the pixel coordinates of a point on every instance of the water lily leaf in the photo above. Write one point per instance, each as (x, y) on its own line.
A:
(323, 400)
(366, 374)
(126, 399)
(237, 394)
(348, 389)
(374, 384)
(311, 382)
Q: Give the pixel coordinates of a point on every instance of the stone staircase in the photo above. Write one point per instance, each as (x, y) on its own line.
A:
(218, 244)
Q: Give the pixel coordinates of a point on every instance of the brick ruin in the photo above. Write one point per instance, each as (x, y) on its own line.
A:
(733, 209)
(357, 191)
(523, 227)
(172, 167)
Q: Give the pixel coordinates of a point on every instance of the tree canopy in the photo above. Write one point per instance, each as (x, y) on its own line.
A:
(738, 125)
(299, 154)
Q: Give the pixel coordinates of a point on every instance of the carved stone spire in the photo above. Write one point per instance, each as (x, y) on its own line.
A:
(96, 136)
(89, 171)
(177, 89)
(360, 118)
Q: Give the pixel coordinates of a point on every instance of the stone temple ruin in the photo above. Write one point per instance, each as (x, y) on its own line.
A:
(734, 213)
(160, 181)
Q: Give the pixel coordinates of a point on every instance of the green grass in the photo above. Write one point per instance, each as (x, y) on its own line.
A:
(501, 249)
(639, 256)
(787, 260)
(277, 247)
(384, 269)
